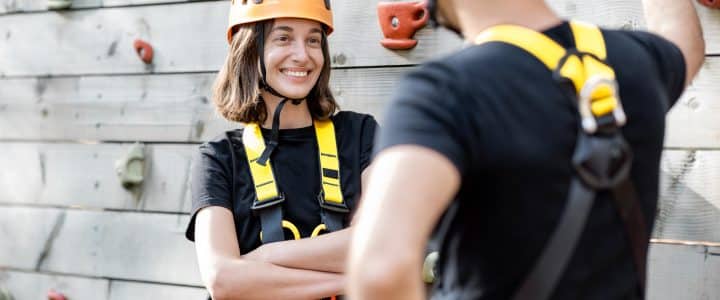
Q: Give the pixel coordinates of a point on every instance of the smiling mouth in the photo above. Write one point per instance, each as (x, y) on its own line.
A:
(300, 74)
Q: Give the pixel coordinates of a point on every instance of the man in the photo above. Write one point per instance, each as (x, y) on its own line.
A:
(481, 142)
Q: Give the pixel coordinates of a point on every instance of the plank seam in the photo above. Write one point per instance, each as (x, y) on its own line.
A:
(51, 238)
(83, 276)
(91, 209)
(667, 207)
(685, 242)
(74, 9)
(190, 72)
(96, 142)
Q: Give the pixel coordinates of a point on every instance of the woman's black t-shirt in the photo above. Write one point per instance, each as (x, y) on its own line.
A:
(297, 171)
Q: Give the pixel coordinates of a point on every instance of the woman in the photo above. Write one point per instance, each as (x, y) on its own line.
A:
(293, 172)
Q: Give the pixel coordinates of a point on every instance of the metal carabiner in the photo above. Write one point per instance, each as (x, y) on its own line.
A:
(289, 226)
(318, 229)
(589, 122)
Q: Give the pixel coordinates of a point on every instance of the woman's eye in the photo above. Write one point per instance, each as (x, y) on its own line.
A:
(314, 41)
(282, 38)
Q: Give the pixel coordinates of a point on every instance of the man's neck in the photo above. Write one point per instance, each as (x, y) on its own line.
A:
(291, 116)
(480, 15)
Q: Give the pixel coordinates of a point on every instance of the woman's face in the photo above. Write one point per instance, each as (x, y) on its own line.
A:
(293, 56)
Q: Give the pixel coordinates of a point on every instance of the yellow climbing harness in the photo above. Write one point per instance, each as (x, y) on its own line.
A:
(269, 197)
(593, 79)
(602, 158)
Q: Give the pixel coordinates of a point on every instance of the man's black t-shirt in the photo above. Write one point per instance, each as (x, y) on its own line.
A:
(296, 167)
(497, 114)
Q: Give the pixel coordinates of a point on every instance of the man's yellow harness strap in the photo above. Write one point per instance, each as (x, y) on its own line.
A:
(584, 66)
(269, 198)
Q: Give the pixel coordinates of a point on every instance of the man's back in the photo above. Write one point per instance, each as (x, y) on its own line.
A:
(510, 129)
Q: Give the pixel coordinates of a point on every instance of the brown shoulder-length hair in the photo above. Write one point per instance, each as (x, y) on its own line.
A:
(236, 91)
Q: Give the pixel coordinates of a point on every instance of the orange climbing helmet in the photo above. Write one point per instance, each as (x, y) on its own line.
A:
(249, 11)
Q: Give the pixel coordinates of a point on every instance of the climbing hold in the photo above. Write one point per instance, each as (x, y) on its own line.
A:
(399, 21)
(710, 3)
(144, 50)
(5, 294)
(428, 271)
(53, 295)
(130, 169)
(58, 4)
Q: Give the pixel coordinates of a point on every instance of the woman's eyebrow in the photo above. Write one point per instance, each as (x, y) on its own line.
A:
(284, 28)
(290, 29)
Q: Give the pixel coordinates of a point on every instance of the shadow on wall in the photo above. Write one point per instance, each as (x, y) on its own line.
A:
(686, 208)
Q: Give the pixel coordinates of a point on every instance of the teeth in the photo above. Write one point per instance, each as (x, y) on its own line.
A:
(296, 73)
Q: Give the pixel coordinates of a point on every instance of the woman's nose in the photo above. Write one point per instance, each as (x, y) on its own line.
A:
(299, 52)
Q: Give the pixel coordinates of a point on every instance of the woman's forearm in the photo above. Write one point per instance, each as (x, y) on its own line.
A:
(325, 253)
(247, 279)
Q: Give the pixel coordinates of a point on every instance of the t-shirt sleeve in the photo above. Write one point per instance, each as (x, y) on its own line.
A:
(209, 182)
(669, 60)
(367, 140)
(426, 111)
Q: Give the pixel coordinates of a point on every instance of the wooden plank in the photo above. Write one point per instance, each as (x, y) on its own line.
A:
(26, 233)
(693, 121)
(683, 272)
(148, 247)
(148, 108)
(629, 15)
(118, 245)
(109, 246)
(47, 175)
(122, 290)
(156, 108)
(89, 42)
(100, 41)
(32, 285)
(28, 285)
(84, 176)
(177, 107)
(18, 6)
(689, 202)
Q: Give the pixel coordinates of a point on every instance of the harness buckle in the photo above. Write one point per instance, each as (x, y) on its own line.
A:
(602, 162)
(260, 205)
(332, 206)
(598, 97)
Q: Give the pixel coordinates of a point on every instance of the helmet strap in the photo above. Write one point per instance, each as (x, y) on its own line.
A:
(274, 135)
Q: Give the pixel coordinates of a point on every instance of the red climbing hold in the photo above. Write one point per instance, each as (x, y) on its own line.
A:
(53, 295)
(710, 3)
(399, 21)
(144, 50)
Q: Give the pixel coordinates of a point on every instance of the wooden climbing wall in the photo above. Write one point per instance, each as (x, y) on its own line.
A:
(74, 97)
